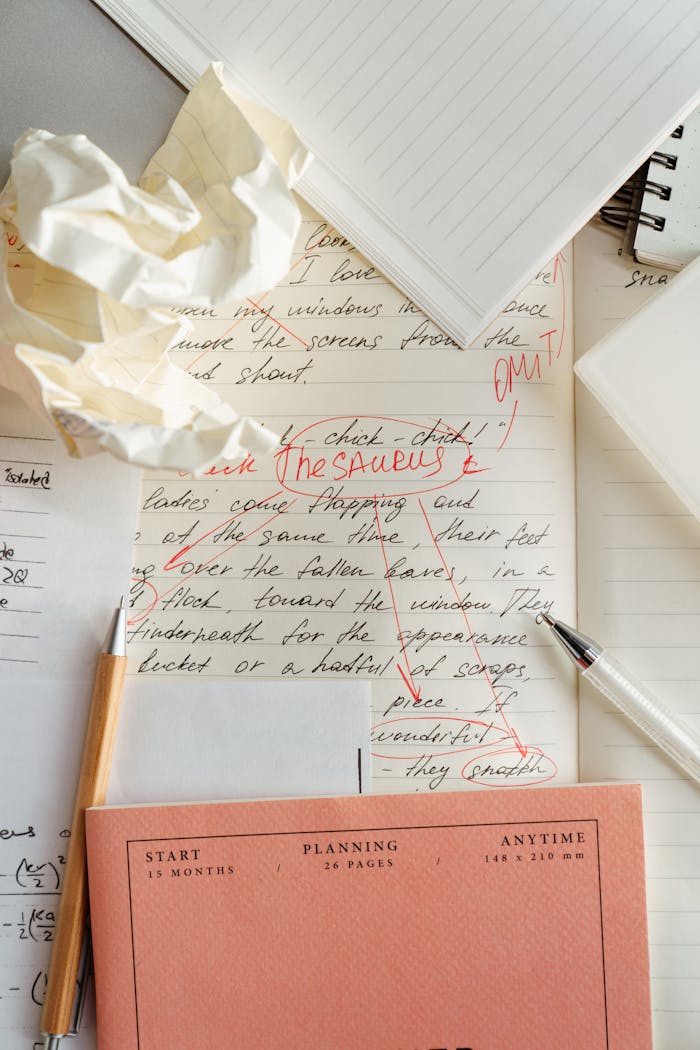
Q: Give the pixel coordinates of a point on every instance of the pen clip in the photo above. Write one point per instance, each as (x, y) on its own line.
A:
(81, 983)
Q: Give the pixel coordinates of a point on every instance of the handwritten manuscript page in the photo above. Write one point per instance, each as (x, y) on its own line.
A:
(418, 513)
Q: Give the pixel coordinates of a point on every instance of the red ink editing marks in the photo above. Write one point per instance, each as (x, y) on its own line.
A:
(239, 468)
(407, 677)
(499, 706)
(508, 369)
(509, 766)
(143, 599)
(410, 736)
(246, 466)
(510, 425)
(548, 336)
(303, 468)
(513, 367)
(559, 273)
(260, 310)
(279, 324)
(221, 533)
(407, 681)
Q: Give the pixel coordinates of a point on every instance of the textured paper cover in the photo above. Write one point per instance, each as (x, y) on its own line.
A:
(488, 921)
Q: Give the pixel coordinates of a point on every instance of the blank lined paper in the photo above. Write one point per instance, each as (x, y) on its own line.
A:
(639, 579)
(458, 145)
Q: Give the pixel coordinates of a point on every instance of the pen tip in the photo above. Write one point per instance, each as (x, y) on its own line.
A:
(115, 639)
(548, 619)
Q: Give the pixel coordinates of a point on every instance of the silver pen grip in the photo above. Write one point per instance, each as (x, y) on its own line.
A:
(675, 738)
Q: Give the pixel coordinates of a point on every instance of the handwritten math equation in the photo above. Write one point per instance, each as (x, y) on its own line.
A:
(32, 861)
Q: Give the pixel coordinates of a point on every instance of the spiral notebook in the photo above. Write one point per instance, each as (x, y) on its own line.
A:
(659, 207)
(458, 145)
(672, 201)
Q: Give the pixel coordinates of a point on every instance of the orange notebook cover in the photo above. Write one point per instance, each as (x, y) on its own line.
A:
(494, 920)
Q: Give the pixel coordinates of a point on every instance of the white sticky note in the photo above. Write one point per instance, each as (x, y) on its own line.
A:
(214, 740)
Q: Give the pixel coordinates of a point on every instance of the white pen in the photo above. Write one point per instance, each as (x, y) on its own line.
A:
(640, 706)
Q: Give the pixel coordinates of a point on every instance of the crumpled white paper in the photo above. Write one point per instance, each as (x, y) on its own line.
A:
(83, 315)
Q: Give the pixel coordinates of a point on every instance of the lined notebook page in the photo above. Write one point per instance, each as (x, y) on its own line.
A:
(459, 145)
(639, 578)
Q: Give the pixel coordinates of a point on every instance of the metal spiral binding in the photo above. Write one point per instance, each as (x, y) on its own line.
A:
(628, 214)
(667, 160)
(661, 191)
(623, 216)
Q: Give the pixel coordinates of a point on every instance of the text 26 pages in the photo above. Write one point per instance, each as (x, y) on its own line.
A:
(383, 921)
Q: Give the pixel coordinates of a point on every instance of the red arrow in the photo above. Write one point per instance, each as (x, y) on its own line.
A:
(559, 270)
(499, 706)
(406, 675)
(410, 685)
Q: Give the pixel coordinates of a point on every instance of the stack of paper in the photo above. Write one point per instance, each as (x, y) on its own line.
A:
(458, 145)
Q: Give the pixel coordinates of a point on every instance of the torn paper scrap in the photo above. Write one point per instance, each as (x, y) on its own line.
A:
(83, 317)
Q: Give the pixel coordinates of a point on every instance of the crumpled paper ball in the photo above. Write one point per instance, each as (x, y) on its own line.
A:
(83, 315)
